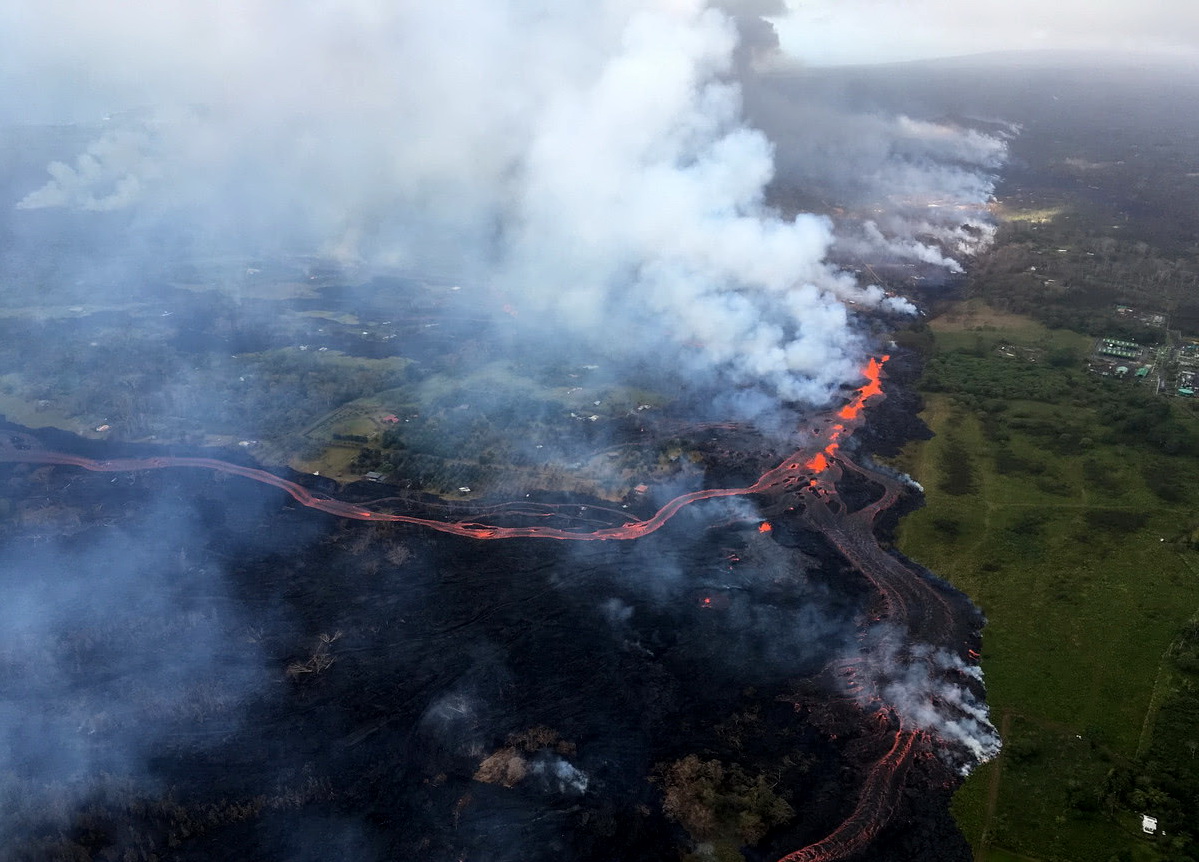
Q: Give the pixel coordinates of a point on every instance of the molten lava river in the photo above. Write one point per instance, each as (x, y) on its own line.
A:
(859, 668)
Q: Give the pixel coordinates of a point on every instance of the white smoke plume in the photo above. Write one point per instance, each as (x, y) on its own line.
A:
(901, 189)
(588, 160)
(617, 612)
(559, 775)
(108, 176)
(924, 685)
(870, 240)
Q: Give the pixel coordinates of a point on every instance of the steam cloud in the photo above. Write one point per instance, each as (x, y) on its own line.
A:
(588, 160)
(927, 696)
(559, 775)
(928, 690)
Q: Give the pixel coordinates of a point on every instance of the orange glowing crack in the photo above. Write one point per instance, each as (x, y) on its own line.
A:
(881, 789)
(873, 372)
(778, 478)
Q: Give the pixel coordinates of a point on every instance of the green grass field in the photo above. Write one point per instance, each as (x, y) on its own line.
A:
(1059, 539)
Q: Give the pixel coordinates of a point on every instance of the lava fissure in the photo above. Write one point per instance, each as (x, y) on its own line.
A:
(912, 609)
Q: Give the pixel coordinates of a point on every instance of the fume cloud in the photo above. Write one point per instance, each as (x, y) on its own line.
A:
(105, 177)
(591, 161)
(927, 688)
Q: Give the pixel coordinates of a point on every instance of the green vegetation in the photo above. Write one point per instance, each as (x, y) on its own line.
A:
(724, 807)
(143, 386)
(440, 417)
(1077, 287)
(1064, 504)
(282, 390)
(497, 427)
(1076, 530)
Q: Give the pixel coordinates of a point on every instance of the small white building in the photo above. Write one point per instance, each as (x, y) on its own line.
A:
(1148, 824)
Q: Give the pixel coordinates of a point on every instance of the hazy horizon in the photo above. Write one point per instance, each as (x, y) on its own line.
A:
(854, 32)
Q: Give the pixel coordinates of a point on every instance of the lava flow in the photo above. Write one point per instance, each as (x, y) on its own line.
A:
(875, 806)
(783, 477)
(911, 609)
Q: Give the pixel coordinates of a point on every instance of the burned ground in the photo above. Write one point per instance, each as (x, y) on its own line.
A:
(273, 683)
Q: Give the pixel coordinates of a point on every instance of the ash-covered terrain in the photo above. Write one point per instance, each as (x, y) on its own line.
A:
(199, 667)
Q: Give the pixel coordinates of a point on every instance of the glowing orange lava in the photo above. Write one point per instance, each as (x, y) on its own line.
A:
(780, 478)
(873, 810)
(798, 471)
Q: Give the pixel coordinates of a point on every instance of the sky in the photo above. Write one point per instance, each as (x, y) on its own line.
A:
(847, 32)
